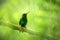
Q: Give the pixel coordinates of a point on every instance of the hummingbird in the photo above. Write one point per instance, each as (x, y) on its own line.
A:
(23, 21)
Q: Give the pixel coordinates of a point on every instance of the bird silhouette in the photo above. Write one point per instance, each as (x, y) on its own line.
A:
(23, 20)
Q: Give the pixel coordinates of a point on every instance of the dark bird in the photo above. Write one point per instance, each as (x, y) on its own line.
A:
(23, 20)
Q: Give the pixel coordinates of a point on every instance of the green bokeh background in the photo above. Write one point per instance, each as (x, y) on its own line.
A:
(43, 19)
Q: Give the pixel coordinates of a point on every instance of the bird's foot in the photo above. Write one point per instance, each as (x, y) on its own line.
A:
(21, 28)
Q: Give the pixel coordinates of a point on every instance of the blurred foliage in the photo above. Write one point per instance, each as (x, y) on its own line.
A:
(43, 18)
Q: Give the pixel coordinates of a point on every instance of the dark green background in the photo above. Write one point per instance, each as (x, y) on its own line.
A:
(43, 19)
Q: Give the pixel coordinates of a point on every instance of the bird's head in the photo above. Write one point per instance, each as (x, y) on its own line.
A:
(24, 15)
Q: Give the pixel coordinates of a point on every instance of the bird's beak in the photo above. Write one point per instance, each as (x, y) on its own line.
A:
(27, 12)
